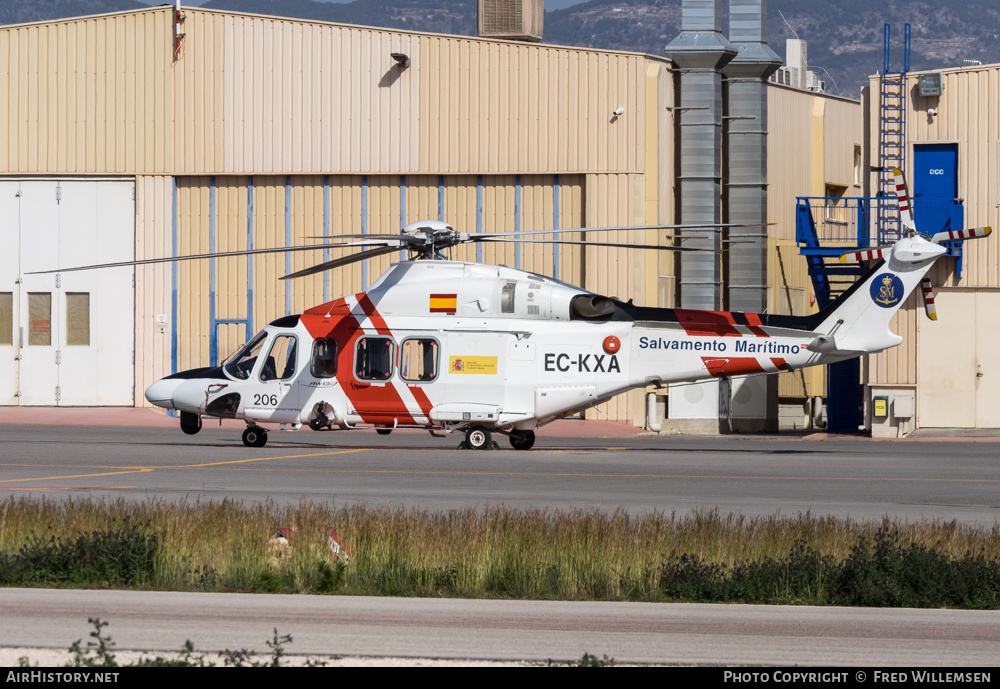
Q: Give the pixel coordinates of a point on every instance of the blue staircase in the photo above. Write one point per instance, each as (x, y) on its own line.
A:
(844, 226)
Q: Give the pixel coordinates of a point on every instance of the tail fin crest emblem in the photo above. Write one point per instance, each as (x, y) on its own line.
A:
(887, 290)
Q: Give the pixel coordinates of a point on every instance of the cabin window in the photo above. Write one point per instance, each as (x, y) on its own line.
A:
(324, 359)
(280, 362)
(240, 364)
(374, 358)
(418, 359)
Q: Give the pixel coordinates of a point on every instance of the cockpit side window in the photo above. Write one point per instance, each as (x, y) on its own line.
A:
(324, 359)
(280, 362)
(240, 364)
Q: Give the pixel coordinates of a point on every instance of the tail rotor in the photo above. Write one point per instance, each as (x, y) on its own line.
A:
(910, 227)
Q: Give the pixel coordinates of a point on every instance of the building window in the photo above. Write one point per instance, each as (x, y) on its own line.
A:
(857, 166)
(6, 318)
(39, 319)
(835, 210)
(77, 318)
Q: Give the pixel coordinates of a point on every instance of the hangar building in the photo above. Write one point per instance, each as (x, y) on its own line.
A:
(119, 140)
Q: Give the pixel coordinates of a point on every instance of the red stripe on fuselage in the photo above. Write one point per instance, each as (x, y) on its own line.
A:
(419, 395)
(740, 366)
(710, 323)
(379, 404)
(753, 319)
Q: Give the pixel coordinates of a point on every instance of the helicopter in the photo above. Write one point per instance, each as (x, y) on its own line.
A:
(484, 350)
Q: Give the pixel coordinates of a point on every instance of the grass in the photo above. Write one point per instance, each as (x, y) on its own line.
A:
(499, 552)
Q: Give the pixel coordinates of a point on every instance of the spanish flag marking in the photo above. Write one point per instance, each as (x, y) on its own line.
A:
(444, 303)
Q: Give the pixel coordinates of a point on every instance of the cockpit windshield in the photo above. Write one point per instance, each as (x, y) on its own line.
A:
(240, 364)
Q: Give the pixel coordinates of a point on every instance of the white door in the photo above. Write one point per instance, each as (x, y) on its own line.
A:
(10, 333)
(958, 376)
(73, 332)
(987, 374)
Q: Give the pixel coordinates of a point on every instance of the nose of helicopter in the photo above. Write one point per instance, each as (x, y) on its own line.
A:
(161, 393)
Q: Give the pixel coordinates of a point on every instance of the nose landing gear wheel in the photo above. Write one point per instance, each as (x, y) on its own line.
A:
(522, 440)
(254, 437)
(190, 422)
(478, 438)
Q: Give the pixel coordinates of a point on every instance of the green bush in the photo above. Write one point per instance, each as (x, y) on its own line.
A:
(877, 574)
(119, 556)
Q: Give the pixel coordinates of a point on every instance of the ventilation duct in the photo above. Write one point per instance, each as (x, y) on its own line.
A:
(699, 52)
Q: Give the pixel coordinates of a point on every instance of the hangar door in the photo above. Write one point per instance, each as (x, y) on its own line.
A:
(958, 372)
(66, 338)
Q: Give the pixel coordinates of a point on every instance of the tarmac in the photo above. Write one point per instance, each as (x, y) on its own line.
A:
(562, 428)
(157, 418)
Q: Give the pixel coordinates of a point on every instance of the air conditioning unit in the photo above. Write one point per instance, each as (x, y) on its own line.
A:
(514, 19)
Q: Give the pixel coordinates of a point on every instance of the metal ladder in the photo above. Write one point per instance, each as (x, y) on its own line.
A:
(892, 136)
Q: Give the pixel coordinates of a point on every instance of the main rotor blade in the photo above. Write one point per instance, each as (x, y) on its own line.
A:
(192, 257)
(526, 233)
(625, 228)
(407, 238)
(343, 261)
(619, 245)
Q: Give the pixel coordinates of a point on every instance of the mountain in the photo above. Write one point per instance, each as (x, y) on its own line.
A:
(15, 12)
(844, 37)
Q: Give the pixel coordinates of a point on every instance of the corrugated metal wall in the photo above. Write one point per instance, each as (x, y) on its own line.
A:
(271, 95)
(967, 115)
(88, 95)
(153, 294)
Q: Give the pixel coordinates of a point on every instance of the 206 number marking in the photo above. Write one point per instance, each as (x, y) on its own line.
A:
(265, 400)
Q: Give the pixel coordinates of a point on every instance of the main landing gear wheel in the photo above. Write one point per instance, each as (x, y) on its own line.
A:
(522, 440)
(190, 422)
(383, 431)
(478, 438)
(318, 424)
(254, 436)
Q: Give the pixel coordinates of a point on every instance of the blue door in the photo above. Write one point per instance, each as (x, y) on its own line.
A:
(935, 187)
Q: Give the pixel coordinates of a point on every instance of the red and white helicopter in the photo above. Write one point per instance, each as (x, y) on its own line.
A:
(481, 349)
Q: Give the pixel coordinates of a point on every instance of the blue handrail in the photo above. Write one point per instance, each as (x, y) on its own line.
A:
(843, 220)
